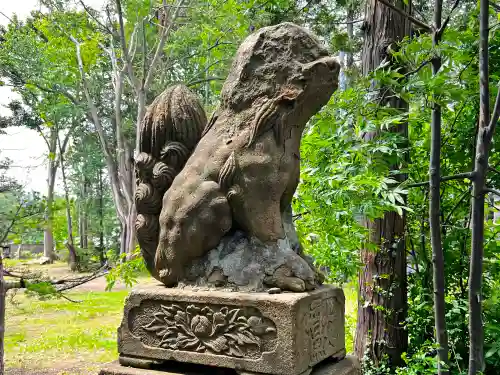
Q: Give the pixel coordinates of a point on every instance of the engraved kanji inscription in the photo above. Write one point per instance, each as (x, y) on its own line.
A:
(321, 328)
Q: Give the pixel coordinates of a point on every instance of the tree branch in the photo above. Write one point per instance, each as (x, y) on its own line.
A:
(6, 16)
(408, 16)
(159, 48)
(495, 6)
(126, 59)
(492, 191)
(459, 201)
(60, 285)
(56, 89)
(494, 170)
(469, 175)
(39, 130)
(447, 20)
(144, 52)
(203, 72)
(208, 79)
(417, 69)
(494, 116)
(349, 22)
(11, 224)
(89, 10)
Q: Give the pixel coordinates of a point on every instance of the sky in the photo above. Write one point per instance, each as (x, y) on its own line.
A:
(25, 147)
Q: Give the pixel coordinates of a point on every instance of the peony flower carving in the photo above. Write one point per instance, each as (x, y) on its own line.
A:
(203, 329)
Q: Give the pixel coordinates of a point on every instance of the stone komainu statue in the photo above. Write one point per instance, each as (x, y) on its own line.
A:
(170, 130)
(233, 193)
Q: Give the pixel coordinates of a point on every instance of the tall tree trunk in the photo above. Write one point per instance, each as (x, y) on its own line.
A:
(19, 249)
(346, 58)
(73, 256)
(435, 211)
(101, 220)
(121, 198)
(125, 165)
(350, 35)
(83, 216)
(123, 237)
(131, 236)
(483, 144)
(382, 304)
(141, 110)
(48, 237)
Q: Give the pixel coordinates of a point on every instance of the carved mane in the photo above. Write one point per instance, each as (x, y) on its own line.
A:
(169, 132)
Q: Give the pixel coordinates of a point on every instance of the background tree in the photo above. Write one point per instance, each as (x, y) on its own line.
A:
(382, 279)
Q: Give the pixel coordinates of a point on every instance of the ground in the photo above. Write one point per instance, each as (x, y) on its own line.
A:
(60, 337)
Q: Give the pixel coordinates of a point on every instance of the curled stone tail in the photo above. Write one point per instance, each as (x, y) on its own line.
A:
(175, 154)
(169, 132)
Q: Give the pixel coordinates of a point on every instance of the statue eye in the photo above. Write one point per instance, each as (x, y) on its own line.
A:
(288, 102)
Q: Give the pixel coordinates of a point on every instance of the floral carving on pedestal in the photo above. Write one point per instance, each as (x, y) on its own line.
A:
(223, 331)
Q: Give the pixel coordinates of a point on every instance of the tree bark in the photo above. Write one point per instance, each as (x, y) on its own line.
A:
(125, 167)
(73, 256)
(131, 236)
(48, 237)
(483, 143)
(382, 304)
(346, 58)
(19, 249)
(435, 211)
(123, 238)
(101, 220)
(350, 35)
(83, 216)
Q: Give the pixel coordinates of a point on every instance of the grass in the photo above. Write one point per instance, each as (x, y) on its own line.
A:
(351, 310)
(52, 332)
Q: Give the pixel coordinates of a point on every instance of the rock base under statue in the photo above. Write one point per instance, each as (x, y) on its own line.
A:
(252, 333)
(346, 366)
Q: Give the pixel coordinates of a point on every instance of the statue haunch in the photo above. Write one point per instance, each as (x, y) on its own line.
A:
(239, 181)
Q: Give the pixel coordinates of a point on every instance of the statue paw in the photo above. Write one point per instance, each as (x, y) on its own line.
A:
(168, 277)
(295, 276)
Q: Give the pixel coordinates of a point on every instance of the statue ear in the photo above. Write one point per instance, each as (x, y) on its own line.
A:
(323, 65)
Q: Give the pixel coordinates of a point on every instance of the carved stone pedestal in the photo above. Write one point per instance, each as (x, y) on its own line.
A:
(346, 366)
(252, 333)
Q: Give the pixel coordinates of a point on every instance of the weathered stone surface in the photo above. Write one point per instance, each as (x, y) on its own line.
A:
(347, 366)
(243, 172)
(243, 331)
(251, 265)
